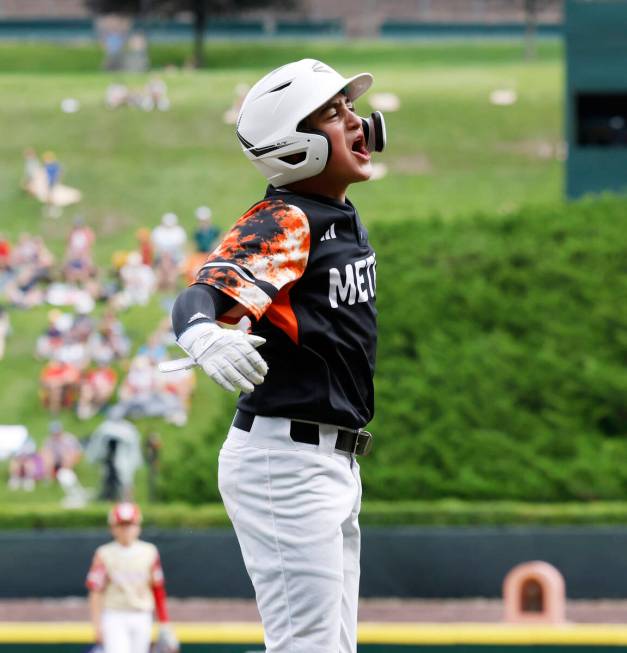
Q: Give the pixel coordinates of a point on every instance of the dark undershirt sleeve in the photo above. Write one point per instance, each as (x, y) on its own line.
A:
(199, 303)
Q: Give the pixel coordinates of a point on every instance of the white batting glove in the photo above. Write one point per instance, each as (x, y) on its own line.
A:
(228, 356)
(167, 641)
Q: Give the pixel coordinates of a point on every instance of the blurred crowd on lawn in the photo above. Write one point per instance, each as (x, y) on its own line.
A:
(89, 364)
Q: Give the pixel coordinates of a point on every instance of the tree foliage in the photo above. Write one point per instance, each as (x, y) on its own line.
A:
(201, 11)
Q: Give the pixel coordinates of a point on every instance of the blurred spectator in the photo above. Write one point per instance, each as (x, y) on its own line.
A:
(167, 273)
(43, 262)
(52, 168)
(67, 294)
(51, 341)
(154, 348)
(74, 349)
(22, 291)
(5, 328)
(144, 245)
(109, 342)
(78, 254)
(25, 251)
(6, 267)
(140, 380)
(59, 385)
(138, 282)
(61, 450)
(169, 238)
(26, 467)
(31, 252)
(179, 385)
(142, 394)
(32, 255)
(136, 56)
(96, 388)
(32, 263)
(152, 451)
(116, 96)
(113, 42)
(116, 445)
(5, 254)
(156, 96)
(206, 233)
(205, 236)
(80, 239)
(31, 168)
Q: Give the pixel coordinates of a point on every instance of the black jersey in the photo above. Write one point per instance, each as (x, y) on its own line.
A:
(303, 267)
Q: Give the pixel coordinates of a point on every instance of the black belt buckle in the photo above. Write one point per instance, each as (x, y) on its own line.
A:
(363, 443)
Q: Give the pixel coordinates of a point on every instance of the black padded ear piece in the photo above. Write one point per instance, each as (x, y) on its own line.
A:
(379, 131)
(374, 132)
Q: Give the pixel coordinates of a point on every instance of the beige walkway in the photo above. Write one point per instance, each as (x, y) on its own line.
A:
(416, 611)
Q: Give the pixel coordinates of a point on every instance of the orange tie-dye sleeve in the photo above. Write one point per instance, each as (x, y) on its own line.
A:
(267, 248)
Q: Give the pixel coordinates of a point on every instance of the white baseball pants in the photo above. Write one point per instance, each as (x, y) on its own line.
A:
(126, 631)
(294, 507)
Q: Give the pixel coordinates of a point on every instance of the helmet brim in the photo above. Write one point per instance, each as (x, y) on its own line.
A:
(358, 85)
(354, 87)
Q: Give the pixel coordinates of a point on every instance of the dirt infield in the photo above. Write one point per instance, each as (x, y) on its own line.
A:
(370, 610)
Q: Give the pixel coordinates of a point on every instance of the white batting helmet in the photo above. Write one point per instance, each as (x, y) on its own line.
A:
(267, 125)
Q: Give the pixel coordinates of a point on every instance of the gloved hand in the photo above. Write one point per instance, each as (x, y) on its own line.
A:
(166, 640)
(228, 356)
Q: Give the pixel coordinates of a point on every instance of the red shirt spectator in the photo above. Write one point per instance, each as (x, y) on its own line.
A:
(5, 252)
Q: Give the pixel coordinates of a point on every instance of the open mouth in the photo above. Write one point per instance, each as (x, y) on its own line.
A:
(359, 147)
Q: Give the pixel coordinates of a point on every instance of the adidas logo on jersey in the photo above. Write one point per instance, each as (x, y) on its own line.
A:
(329, 233)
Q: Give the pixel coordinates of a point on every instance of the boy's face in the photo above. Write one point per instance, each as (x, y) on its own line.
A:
(350, 160)
(125, 534)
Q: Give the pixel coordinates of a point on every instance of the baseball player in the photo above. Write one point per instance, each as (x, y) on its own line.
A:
(126, 584)
(299, 264)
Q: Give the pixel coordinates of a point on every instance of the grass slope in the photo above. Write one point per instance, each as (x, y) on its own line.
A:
(450, 152)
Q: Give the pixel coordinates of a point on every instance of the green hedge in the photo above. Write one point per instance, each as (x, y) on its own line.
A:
(501, 370)
(501, 366)
(445, 512)
(43, 57)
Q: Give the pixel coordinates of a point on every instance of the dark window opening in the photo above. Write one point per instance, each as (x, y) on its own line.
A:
(602, 119)
(532, 596)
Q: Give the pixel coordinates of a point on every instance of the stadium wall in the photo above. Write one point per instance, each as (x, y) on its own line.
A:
(83, 29)
(396, 562)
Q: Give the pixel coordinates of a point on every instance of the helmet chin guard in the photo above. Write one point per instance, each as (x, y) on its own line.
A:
(267, 125)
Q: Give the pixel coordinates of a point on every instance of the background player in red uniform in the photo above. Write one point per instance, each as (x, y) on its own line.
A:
(299, 264)
(126, 583)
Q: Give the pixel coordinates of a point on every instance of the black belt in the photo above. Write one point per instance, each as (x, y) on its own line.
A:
(355, 442)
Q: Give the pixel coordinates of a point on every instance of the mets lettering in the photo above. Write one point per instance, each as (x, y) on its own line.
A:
(358, 285)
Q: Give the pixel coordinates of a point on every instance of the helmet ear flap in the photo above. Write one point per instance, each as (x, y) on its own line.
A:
(319, 154)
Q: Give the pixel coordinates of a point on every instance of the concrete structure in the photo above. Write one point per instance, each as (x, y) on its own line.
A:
(596, 96)
(359, 17)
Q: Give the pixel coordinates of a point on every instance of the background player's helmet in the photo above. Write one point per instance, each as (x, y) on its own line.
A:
(267, 125)
(125, 513)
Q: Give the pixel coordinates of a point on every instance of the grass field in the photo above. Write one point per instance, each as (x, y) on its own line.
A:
(450, 152)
